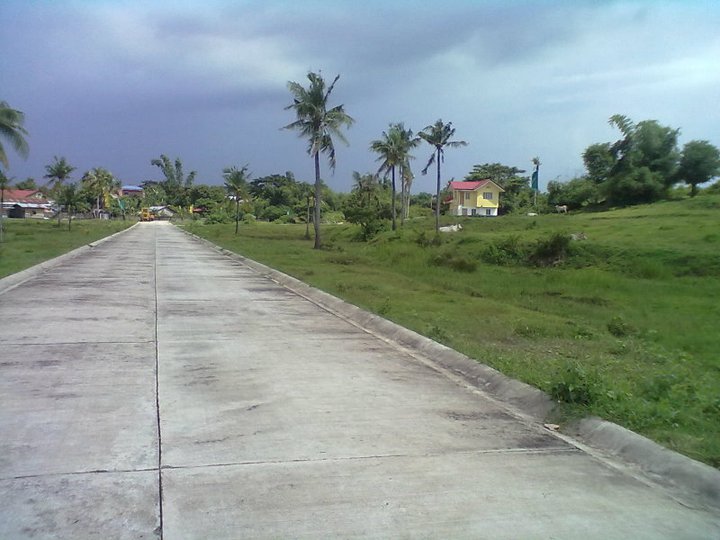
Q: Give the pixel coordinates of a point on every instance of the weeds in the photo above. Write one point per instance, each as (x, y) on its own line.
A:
(575, 385)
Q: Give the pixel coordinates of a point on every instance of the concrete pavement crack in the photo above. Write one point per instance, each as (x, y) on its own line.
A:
(159, 529)
(547, 450)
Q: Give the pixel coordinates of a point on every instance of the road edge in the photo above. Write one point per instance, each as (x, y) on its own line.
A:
(690, 479)
(18, 278)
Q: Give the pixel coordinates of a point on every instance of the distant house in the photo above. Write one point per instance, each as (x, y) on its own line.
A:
(480, 198)
(162, 212)
(131, 191)
(26, 203)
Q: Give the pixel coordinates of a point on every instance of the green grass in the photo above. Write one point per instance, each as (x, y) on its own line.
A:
(28, 241)
(624, 325)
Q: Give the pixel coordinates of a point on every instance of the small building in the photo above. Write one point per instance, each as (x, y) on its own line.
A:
(132, 191)
(29, 203)
(162, 212)
(480, 198)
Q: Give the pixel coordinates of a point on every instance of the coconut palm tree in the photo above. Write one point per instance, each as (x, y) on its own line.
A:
(438, 135)
(307, 192)
(100, 183)
(4, 184)
(409, 141)
(57, 172)
(70, 198)
(236, 184)
(319, 125)
(11, 128)
(175, 183)
(367, 187)
(394, 150)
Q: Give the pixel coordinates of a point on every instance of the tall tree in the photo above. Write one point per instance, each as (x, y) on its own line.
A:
(390, 151)
(640, 167)
(57, 172)
(69, 196)
(11, 128)
(700, 162)
(175, 183)
(28, 183)
(4, 184)
(438, 135)
(236, 184)
(599, 161)
(319, 125)
(100, 183)
(307, 192)
(364, 205)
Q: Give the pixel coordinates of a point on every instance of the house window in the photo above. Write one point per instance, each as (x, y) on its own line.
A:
(488, 212)
(467, 197)
(487, 195)
(474, 211)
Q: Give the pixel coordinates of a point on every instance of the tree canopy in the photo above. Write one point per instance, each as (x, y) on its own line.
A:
(11, 129)
(439, 135)
(318, 125)
(700, 163)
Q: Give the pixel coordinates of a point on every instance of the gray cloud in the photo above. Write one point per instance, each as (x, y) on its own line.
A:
(114, 83)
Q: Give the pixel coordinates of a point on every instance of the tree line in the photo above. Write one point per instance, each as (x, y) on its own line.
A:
(640, 167)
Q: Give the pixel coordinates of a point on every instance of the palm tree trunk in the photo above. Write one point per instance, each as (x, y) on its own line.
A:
(402, 196)
(392, 204)
(2, 212)
(307, 217)
(316, 221)
(437, 198)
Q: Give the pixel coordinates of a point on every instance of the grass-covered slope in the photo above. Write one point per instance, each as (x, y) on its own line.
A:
(622, 324)
(27, 242)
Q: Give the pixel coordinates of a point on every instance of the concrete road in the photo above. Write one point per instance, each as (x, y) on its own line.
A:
(153, 388)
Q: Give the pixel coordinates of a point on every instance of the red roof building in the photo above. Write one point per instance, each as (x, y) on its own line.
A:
(25, 203)
(479, 198)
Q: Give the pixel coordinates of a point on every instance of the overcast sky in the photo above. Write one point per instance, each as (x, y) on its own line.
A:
(116, 83)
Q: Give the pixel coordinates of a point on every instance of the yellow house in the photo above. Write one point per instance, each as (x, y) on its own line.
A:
(475, 198)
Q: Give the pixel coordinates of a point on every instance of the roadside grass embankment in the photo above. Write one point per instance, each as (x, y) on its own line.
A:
(621, 323)
(27, 242)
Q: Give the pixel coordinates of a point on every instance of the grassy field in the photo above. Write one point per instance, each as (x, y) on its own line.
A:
(28, 241)
(622, 324)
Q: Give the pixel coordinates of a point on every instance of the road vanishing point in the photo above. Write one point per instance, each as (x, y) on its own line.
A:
(155, 387)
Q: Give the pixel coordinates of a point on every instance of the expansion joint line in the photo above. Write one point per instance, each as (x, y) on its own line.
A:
(157, 388)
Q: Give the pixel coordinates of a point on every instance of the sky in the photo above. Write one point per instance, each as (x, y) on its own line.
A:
(117, 83)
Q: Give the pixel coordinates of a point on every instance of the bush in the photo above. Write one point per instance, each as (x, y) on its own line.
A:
(455, 262)
(550, 251)
(619, 328)
(218, 216)
(505, 252)
(576, 385)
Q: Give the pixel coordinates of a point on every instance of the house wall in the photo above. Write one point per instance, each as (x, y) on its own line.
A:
(476, 201)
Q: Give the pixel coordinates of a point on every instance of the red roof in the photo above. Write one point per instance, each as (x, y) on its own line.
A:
(472, 186)
(468, 186)
(24, 196)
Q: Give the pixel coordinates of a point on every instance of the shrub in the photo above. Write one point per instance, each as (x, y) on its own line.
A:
(218, 216)
(505, 252)
(455, 262)
(619, 328)
(575, 385)
(550, 251)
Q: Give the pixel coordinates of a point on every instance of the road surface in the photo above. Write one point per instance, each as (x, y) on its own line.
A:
(153, 388)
